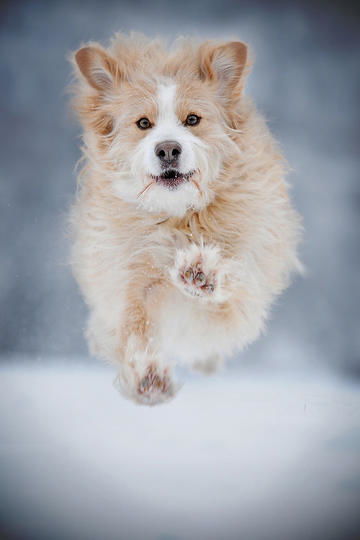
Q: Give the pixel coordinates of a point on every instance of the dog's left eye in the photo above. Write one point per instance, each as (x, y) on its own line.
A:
(192, 120)
(143, 123)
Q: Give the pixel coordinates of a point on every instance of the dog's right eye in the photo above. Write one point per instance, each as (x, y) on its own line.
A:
(143, 123)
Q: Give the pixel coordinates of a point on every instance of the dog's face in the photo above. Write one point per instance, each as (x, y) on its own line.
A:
(158, 126)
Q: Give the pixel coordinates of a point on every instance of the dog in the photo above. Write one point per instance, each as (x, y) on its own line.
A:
(183, 231)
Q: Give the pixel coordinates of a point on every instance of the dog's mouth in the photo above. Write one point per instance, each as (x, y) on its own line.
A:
(172, 178)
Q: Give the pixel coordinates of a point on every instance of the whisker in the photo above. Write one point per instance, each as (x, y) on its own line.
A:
(145, 188)
(196, 184)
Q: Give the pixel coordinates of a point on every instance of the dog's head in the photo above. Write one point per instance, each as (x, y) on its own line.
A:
(159, 126)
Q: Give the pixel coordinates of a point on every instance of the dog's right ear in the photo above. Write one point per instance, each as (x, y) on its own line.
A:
(99, 69)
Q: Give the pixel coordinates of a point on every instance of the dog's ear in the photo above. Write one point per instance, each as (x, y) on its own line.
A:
(100, 70)
(224, 64)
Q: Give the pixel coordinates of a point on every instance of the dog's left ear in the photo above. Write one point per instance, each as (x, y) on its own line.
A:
(226, 65)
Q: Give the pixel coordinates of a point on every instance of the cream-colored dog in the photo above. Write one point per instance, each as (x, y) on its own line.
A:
(183, 229)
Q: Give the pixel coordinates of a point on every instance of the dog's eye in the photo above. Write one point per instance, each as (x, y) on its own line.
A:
(144, 123)
(192, 120)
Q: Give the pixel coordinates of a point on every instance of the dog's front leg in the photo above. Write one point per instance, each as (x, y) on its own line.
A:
(144, 376)
(201, 273)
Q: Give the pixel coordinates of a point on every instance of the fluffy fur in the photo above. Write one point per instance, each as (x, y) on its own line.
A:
(175, 273)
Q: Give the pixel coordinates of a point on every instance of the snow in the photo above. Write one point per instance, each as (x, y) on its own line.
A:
(241, 455)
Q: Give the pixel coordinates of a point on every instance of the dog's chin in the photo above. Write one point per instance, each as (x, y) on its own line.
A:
(172, 193)
(172, 178)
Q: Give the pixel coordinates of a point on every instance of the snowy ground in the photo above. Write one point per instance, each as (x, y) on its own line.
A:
(243, 455)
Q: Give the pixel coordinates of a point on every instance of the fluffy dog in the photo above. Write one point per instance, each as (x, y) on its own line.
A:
(183, 228)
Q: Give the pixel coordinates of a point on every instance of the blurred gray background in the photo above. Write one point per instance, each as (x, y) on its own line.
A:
(305, 80)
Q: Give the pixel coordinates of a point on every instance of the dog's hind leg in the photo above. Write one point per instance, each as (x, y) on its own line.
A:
(209, 365)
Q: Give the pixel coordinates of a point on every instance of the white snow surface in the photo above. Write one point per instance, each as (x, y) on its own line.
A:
(244, 455)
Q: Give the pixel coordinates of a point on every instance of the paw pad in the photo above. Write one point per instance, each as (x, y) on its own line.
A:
(148, 385)
(196, 281)
(153, 382)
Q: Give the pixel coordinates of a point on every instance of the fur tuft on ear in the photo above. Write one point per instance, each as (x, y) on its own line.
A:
(224, 64)
(99, 69)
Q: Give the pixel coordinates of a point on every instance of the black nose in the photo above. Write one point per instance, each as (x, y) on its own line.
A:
(168, 152)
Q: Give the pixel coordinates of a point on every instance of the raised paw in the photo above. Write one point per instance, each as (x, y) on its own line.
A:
(200, 272)
(196, 282)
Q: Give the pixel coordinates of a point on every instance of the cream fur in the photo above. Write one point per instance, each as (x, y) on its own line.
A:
(232, 221)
